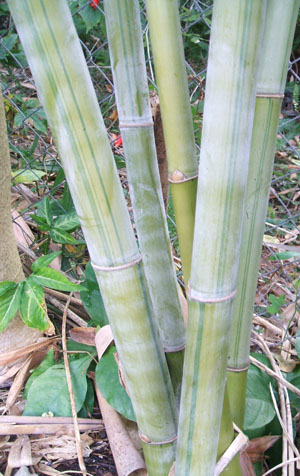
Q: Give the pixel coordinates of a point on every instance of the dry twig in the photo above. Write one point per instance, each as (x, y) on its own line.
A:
(70, 388)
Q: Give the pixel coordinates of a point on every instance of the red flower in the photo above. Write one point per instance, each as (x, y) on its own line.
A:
(94, 4)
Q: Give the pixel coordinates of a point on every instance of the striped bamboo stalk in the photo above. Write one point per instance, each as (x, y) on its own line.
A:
(280, 25)
(58, 66)
(171, 77)
(225, 149)
(130, 80)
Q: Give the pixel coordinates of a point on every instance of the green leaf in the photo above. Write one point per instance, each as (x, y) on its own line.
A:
(8, 43)
(285, 255)
(78, 347)
(44, 261)
(88, 405)
(41, 221)
(9, 303)
(67, 222)
(294, 378)
(5, 286)
(44, 209)
(53, 279)
(62, 237)
(49, 391)
(259, 405)
(33, 308)
(91, 298)
(90, 16)
(107, 378)
(276, 303)
(48, 362)
(27, 175)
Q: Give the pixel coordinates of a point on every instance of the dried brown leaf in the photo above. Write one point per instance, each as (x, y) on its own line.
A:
(127, 458)
(20, 453)
(258, 446)
(285, 364)
(84, 335)
(18, 382)
(22, 232)
(20, 352)
(246, 465)
(103, 339)
(7, 373)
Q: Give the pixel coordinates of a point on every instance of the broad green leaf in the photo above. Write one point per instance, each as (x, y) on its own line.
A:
(89, 15)
(78, 347)
(49, 391)
(44, 261)
(5, 286)
(62, 237)
(50, 278)
(91, 298)
(88, 405)
(39, 121)
(294, 378)
(9, 303)
(27, 175)
(7, 43)
(285, 255)
(42, 222)
(107, 378)
(33, 308)
(48, 362)
(67, 222)
(259, 405)
(276, 303)
(44, 209)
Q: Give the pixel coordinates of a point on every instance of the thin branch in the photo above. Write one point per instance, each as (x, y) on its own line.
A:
(70, 388)
(71, 315)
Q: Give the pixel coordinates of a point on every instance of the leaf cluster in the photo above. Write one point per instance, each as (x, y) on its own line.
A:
(28, 296)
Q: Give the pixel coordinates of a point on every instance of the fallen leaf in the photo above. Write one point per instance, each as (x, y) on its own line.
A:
(258, 446)
(84, 335)
(246, 465)
(20, 453)
(103, 340)
(22, 232)
(285, 364)
(114, 115)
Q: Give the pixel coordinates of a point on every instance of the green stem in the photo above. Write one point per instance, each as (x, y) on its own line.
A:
(63, 83)
(223, 168)
(171, 77)
(280, 25)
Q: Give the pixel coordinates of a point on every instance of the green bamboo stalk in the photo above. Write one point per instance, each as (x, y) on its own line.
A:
(58, 66)
(225, 149)
(171, 77)
(130, 80)
(281, 20)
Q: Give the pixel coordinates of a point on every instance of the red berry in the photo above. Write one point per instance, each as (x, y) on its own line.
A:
(94, 4)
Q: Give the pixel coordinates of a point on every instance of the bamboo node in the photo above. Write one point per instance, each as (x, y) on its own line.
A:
(117, 268)
(270, 95)
(179, 177)
(194, 296)
(174, 349)
(130, 125)
(148, 440)
(242, 369)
